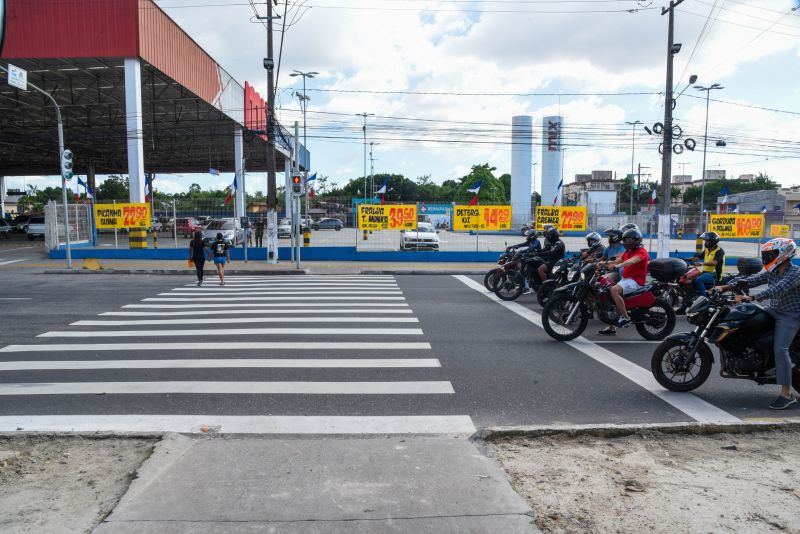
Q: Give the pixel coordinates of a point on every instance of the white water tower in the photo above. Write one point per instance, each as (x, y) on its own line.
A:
(521, 152)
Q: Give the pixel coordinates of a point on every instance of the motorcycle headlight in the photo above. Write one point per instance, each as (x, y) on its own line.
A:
(555, 269)
(583, 276)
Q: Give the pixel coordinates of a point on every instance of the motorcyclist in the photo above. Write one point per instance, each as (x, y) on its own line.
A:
(783, 292)
(611, 252)
(634, 271)
(711, 263)
(595, 247)
(531, 243)
(553, 251)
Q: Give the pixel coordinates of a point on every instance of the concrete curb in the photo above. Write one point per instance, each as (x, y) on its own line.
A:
(614, 431)
(84, 435)
(422, 272)
(181, 272)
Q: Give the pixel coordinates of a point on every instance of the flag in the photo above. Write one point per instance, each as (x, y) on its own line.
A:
(147, 187)
(231, 191)
(310, 192)
(382, 190)
(475, 189)
(763, 209)
(312, 178)
(653, 197)
(89, 192)
(558, 191)
(724, 193)
(736, 209)
(213, 171)
(797, 209)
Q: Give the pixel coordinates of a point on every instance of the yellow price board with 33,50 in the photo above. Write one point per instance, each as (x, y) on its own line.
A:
(388, 217)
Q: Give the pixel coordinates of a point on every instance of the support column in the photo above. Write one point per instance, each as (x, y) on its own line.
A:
(135, 134)
(238, 155)
(3, 197)
(287, 175)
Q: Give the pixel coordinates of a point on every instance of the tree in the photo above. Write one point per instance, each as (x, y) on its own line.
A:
(114, 188)
(492, 190)
(505, 179)
(762, 182)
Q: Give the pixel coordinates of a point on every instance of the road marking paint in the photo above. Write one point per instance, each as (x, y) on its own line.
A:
(242, 424)
(313, 292)
(241, 332)
(263, 287)
(243, 320)
(267, 304)
(301, 297)
(623, 342)
(15, 298)
(278, 363)
(257, 310)
(14, 249)
(228, 388)
(228, 346)
(687, 403)
(9, 262)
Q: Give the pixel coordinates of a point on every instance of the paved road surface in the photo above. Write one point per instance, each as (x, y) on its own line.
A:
(318, 354)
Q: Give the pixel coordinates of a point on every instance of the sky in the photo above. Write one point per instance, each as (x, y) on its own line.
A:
(443, 80)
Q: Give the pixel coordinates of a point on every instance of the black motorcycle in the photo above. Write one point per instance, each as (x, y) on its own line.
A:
(565, 271)
(742, 332)
(509, 282)
(488, 278)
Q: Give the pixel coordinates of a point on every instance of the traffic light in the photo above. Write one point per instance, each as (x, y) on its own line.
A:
(66, 164)
(297, 185)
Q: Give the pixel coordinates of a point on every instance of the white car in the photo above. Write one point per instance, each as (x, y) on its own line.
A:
(423, 238)
(284, 228)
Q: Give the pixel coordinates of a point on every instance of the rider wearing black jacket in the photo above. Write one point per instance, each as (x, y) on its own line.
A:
(553, 251)
(531, 243)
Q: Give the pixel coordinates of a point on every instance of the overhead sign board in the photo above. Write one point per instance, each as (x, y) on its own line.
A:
(388, 217)
(109, 216)
(564, 218)
(481, 218)
(17, 77)
(737, 226)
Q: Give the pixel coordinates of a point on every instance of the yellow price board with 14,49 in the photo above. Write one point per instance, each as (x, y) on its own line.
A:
(109, 216)
(389, 217)
(481, 218)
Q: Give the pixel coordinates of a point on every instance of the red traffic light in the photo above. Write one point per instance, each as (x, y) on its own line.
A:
(296, 179)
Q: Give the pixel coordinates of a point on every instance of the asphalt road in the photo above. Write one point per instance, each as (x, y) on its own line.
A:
(444, 357)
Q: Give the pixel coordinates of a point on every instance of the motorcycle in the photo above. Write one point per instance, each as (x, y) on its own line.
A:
(675, 279)
(564, 271)
(743, 334)
(510, 283)
(488, 278)
(566, 314)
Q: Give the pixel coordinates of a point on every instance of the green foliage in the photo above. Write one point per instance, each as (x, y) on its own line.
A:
(713, 187)
(114, 188)
(492, 189)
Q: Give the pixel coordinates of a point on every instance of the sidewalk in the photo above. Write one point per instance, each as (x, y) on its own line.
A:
(329, 485)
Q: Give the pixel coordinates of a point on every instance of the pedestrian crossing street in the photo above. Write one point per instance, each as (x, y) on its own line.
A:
(341, 354)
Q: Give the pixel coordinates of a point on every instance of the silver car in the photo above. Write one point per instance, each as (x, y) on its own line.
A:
(231, 230)
(423, 238)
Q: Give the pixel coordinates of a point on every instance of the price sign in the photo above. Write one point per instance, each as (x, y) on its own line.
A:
(564, 218)
(481, 218)
(389, 217)
(737, 226)
(779, 230)
(109, 216)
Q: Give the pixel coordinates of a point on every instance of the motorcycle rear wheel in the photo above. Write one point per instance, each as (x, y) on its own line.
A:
(546, 291)
(656, 330)
(665, 368)
(557, 311)
(509, 285)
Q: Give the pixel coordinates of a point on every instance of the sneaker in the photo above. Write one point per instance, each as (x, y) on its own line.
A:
(609, 331)
(198, 283)
(781, 403)
(622, 322)
(527, 291)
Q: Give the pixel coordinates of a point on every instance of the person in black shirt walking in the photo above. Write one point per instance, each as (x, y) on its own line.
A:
(221, 251)
(198, 249)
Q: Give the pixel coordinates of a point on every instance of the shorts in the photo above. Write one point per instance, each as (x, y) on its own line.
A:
(628, 285)
(220, 260)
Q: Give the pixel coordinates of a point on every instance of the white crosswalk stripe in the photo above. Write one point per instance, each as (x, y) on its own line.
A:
(311, 338)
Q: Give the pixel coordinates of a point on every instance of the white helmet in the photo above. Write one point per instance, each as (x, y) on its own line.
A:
(776, 252)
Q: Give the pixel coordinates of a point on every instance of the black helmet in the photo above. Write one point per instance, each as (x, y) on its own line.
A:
(629, 226)
(632, 238)
(546, 227)
(614, 236)
(530, 234)
(711, 238)
(551, 235)
(593, 239)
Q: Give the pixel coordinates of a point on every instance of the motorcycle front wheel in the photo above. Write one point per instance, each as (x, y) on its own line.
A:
(564, 317)
(673, 369)
(545, 291)
(488, 279)
(509, 285)
(661, 321)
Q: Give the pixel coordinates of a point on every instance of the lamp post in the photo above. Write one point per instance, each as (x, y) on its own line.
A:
(365, 115)
(304, 105)
(705, 145)
(534, 164)
(633, 152)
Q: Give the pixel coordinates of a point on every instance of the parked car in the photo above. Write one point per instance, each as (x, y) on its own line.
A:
(284, 228)
(231, 229)
(19, 222)
(166, 223)
(327, 224)
(35, 227)
(5, 228)
(423, 238)
(187, 226)
(157, 225)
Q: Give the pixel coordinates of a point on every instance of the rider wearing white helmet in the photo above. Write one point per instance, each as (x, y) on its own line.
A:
(783, 292)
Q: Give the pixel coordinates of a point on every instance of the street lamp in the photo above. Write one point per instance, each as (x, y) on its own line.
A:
(633, 151)
(534, 164)
(304, 104)
(365, 115)
(705, 144)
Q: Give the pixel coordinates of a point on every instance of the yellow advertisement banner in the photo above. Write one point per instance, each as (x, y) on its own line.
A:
(565, 218)
(779, 230)
(109, 216)
(481, 218)
(388, 217)
(737, 226)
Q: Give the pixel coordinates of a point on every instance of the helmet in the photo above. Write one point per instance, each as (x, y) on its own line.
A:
(614, 235)
(551, 235)
(546, 227)
(776, 252)
(632, 238)
(629, 226)
(711, 238)
(593, 239)
(530, 234)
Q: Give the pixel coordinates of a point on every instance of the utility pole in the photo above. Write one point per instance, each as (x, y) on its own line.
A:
(705, 146)
(633, 152)
(372, 167)
(364, 128)
(272, 194)
(664, 220)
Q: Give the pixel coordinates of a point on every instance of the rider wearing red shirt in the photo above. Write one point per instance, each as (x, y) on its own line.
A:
(634, 271)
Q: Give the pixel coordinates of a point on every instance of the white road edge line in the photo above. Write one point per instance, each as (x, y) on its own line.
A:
(228, 388)
(242, 424)
(243, 320)
(247, 363)
(251, 311)
(239, 332)
(295, 297)
(9, 262)
(687, 403)
(228, 346)
(270, 305)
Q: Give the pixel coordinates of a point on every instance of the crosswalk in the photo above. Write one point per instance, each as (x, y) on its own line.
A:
(339, 354)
